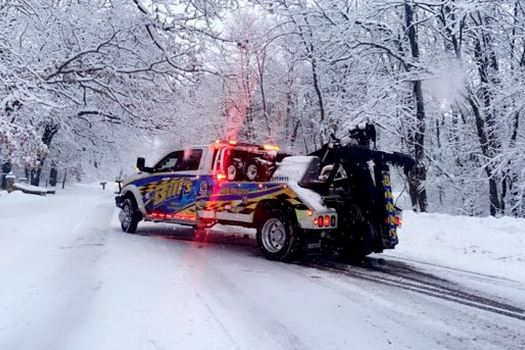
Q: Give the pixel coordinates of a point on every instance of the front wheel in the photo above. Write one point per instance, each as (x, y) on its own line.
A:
(129, 216)
(277, 236)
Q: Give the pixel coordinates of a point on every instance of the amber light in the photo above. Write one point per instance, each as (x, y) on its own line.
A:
(232, 142)
(309, 212)
(271, 148)
(220, 176)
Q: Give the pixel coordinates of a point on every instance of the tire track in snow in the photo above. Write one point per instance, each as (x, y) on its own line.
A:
(482, 277)
(419, 282)
(398, 274)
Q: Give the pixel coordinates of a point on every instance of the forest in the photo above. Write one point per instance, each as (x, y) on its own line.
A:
(88, 85)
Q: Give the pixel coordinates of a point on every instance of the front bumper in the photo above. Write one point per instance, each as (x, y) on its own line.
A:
(119, 201)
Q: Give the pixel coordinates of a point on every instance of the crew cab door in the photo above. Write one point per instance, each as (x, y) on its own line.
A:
(174, 185)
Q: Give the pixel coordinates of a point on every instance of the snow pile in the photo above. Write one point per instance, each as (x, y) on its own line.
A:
(31, 188)
(488, 245)
(12, 205)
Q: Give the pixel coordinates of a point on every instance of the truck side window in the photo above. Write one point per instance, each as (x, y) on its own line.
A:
(186, 160)
(169, 162)
(191, 158)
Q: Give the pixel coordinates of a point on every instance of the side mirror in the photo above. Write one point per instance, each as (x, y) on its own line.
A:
(141, 164)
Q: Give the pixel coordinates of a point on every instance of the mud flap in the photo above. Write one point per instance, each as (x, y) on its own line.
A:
(311, 242)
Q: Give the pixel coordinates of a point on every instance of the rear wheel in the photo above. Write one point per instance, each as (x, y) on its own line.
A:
(358, 235)
(277, 236)
(129, 216)
(359, 247)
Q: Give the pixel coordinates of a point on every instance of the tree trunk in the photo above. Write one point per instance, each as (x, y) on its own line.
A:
(261, 66)
(419, 175)
(50, 129)
(495, 204)
(485, 59)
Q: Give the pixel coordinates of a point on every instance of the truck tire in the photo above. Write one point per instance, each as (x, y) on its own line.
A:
(129, 216)
(357, 249)
(231, 172)
(277, 236)
(254, 170)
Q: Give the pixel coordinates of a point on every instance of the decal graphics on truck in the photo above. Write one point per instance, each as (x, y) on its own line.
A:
(170, 194)
(242, 198)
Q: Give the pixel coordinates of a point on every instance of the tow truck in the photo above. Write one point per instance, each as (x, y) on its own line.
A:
(338, 198)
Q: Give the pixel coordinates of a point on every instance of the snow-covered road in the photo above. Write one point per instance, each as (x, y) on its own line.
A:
(70, 279)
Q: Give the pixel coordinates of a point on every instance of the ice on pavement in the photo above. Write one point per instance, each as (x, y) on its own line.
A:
(70, 279)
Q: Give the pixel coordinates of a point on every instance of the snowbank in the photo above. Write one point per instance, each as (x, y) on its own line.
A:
(33, 189)
(17, 198)
(488, 245)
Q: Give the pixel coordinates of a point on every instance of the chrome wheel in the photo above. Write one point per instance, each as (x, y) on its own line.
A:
(273, 235)
(125, 216)
(129, 216)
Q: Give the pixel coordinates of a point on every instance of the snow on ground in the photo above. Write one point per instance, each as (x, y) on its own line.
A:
(70, 279)
(494, 246)
(31, 188)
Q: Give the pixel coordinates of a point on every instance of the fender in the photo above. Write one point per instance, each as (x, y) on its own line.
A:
(134, 190)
